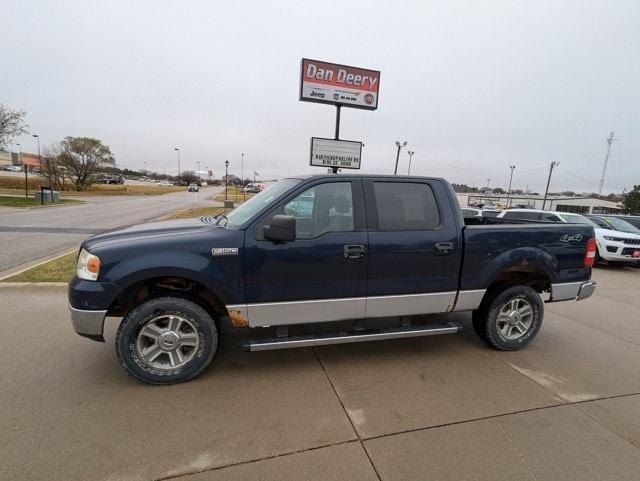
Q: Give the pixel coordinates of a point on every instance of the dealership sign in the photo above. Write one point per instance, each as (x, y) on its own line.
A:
(331, 83)
(339, 154)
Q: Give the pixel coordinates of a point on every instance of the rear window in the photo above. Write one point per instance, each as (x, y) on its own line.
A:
(406, 206)
(523, 215)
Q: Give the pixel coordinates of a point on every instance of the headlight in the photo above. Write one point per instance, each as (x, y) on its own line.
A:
(88, 266)
(614, 239)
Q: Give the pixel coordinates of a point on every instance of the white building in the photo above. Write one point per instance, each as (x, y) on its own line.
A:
(577, 204)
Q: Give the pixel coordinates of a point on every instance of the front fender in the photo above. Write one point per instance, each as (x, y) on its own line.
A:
(215, 276)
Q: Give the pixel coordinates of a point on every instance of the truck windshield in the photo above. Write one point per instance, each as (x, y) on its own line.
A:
(577, 219)
(246, 211)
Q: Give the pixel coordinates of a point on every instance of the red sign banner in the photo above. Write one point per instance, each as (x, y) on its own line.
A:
(331, 83)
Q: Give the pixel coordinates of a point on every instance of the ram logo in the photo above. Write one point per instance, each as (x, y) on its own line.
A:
(571, 238)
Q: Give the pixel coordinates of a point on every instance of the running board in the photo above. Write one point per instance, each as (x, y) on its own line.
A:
(345, 337)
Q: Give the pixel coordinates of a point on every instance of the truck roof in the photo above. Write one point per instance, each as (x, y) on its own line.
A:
(368, 176)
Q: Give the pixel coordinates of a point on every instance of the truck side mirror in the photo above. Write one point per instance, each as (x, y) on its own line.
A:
(281, 229)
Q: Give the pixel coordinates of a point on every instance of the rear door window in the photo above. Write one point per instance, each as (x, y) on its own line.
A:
(406, 206)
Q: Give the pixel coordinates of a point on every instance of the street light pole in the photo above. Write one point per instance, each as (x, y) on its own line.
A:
(399, 145)
(512, 167)
(546, 191)
(199, 176)
(37, 137)
(410, 152)
(26, 173)
(244, 194)
(178, 150)
(226, 179)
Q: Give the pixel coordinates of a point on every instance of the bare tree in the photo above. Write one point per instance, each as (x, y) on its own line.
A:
(51, 168)
(81, 158)
(12, 124)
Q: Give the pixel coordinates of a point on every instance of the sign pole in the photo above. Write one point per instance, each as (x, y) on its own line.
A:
(337, 137)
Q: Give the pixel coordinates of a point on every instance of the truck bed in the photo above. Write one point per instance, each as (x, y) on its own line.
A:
(554, 250)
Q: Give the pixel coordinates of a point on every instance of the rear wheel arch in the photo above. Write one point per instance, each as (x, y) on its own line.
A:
(520, 275)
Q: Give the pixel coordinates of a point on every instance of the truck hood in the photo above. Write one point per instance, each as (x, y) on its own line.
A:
(614, 233)
(151, 230)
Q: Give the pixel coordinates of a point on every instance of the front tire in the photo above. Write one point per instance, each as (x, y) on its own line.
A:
(166, 340)
(511, 319)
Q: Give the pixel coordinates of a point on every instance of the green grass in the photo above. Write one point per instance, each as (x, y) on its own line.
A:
(61, 269)
(235, 194)
(30, 202)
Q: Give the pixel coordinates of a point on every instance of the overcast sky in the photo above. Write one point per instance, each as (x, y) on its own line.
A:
(472, 86)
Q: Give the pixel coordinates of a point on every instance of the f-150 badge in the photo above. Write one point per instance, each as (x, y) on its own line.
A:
(224, 251)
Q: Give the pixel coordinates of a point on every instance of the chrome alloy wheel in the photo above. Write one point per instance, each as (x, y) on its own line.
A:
(167, 342)
(515, 318)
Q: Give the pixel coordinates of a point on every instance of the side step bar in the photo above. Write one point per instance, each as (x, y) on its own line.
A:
(344, 337)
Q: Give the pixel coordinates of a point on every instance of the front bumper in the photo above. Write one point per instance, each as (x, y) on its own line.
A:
(618, 251)
(572, 291)
(88, 323)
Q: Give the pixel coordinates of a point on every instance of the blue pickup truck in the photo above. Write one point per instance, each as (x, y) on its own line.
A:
(338, 250)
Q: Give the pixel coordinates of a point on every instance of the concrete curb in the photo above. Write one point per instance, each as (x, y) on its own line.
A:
(30, 265)
(32, 284)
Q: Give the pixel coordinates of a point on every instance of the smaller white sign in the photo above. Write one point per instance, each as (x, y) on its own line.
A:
(343, 154)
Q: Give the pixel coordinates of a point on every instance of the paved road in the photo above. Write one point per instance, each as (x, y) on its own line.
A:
(30, 234)
(446, 408)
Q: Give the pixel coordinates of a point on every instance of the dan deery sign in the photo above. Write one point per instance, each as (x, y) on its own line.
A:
(331, 83)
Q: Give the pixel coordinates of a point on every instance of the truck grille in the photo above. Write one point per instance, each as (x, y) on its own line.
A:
(634, 242)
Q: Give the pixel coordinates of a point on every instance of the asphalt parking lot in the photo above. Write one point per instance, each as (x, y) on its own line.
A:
(440, 408)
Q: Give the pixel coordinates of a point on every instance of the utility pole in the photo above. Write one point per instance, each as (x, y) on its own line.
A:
(610, 141)
(546, 191)
(178, 150)
(512, 167)
(199, 175)
(26, 173)
(410, 152)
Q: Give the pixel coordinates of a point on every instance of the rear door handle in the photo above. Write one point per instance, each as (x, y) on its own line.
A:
(354, 251)
(444, 248)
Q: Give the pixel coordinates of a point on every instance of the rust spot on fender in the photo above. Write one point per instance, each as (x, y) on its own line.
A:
(237, 319)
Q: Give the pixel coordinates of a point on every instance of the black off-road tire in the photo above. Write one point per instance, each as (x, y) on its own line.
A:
(194, 314)
(485, 319)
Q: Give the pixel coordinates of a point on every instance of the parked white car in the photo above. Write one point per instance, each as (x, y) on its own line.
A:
(614, 244)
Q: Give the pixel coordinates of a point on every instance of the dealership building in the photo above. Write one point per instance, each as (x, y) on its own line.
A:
(577, 204)
(14, 158)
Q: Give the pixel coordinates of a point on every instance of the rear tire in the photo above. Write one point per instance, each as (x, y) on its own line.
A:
(166, 340)
(511, 319)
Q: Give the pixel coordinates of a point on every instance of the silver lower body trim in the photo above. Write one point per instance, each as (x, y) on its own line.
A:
(572, 291)
(469, 300)
(88, 323)
(303, 312)
(329, 310)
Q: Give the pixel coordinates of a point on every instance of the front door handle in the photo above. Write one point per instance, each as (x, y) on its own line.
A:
(444, 248)
(354, 251)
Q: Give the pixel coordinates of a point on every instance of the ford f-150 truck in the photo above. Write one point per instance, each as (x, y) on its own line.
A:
(322, 249)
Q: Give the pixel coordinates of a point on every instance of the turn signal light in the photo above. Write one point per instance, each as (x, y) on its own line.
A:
(88, 267)
(590, 253)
